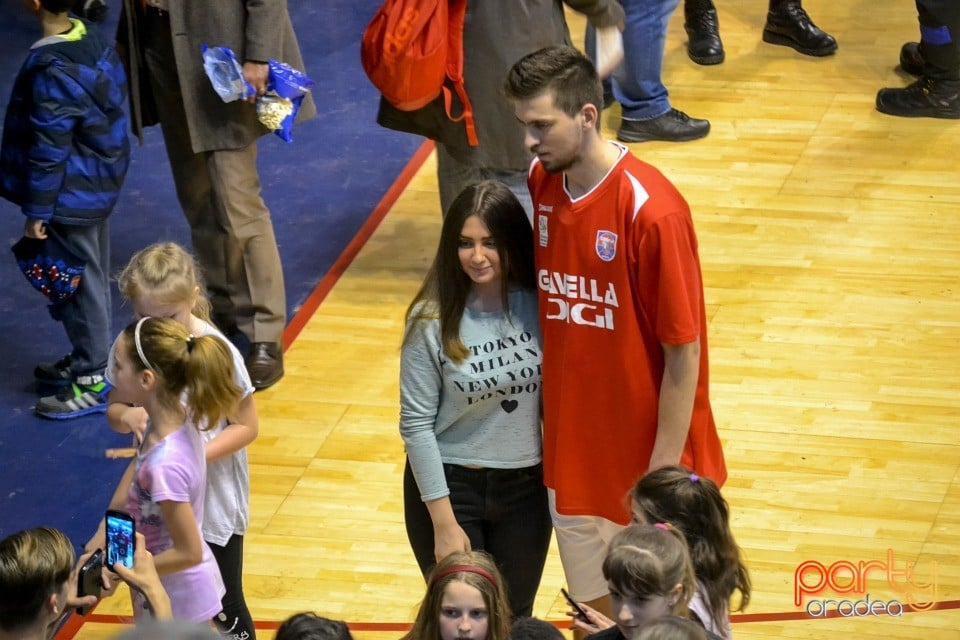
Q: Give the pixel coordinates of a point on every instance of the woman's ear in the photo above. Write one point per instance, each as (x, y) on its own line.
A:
(196, 296)
(675, 594)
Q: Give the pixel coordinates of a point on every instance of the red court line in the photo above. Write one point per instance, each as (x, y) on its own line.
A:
(73, 625)
(379, 212)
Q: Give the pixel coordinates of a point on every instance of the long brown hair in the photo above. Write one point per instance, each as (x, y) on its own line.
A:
(203, 366)
(444, 291)
(694, 505)
(476, 569)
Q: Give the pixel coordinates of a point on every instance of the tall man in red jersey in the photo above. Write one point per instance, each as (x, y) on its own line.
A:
(625, 377)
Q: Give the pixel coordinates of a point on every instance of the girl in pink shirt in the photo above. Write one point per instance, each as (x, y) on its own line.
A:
(157, 364)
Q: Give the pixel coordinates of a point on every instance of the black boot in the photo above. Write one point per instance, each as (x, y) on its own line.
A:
(911, 60)
(789, 25)
(925, 98)
(703, 30)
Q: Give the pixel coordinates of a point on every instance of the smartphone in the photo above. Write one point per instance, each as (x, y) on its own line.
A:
(120, 538)
(576, 606)
(88, 580)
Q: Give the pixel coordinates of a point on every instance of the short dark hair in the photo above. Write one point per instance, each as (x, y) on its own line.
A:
(310, 626)
(564, 70)
(533, 629)
(58, 6)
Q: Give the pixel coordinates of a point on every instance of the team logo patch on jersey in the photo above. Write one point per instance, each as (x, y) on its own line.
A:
(542, 229)
(606, 245)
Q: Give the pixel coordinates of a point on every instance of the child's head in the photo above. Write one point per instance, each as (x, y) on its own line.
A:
(533, 629)
(672, 628)
(466, 598)
(53, 6)
(162, 281)
(160, 356)
(35, 567)
(649, 575)
(310, 626)
(694, 505)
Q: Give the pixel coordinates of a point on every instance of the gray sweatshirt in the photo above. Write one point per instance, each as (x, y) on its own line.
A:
(482, 412)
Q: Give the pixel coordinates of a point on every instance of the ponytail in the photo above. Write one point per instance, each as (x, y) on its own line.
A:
(201, 366)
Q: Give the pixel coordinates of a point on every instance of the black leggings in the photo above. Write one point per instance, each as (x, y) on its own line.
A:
(235, 620)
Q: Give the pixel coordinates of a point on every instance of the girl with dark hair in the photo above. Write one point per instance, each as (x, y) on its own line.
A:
(470, 396)
(649, 575)
(695, 506)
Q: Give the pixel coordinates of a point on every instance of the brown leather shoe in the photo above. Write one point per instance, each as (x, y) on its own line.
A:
(264, 364)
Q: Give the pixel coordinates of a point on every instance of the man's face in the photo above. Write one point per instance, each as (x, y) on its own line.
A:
(553, 136)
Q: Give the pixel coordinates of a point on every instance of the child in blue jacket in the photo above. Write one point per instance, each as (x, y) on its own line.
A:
(63, 159)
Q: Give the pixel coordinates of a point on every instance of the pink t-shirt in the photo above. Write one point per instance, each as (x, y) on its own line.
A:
(175, 469)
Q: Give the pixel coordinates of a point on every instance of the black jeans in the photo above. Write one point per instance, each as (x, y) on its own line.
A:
(503, 511)
(235, 620)
(939, 30)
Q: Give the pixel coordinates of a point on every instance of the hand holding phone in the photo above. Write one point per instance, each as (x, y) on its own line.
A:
(88, 579)
(576, 606)
(121, 538)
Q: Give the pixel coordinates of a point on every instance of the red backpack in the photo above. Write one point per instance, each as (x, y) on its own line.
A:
(409, 50)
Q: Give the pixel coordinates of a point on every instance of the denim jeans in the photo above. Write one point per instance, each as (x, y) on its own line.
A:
(503, 511)
(636, 83)
(86, 314)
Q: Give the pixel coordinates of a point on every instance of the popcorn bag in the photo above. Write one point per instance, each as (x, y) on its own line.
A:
(286, 87)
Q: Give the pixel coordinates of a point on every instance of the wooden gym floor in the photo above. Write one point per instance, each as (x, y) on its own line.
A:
(829, 240)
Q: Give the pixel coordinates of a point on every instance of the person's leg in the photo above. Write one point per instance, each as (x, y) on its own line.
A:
(939, 29)
(936, 94)
(86, 318)
(235, 621)
(637, 83)
(190, 173)
(517, 531)
(789, 25)
(517, 183)
(582, 542)
(467, 497)
(416, 520)
(253, 268)
(453, 177)
(703, 32)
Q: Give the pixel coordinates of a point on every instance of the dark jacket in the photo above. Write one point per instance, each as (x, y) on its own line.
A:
(65, 148)
(253, 29)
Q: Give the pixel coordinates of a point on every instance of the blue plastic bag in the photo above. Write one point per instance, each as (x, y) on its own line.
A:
(286, 87)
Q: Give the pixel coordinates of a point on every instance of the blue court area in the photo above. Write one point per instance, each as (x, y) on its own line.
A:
(320, 189)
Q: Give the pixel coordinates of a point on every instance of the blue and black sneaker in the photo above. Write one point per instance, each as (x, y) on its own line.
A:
(56, 374)
(86, 394)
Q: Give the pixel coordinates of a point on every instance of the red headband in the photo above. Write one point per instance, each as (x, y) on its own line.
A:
(466, 568)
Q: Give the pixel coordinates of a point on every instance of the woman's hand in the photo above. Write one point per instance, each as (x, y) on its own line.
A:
(594, 623)
(449, 539)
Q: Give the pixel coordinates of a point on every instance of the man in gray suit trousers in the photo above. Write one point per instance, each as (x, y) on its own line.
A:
(212, 150)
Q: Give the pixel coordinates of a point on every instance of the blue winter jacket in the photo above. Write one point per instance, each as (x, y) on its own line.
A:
(65, 148)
